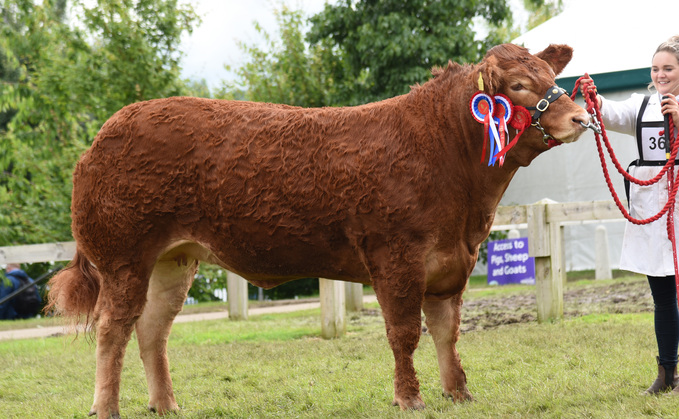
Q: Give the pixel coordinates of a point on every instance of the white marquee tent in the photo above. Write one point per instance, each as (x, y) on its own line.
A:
(607, 35)
(614, 42)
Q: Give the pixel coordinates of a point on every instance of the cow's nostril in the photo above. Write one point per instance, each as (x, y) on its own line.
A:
(583, 119)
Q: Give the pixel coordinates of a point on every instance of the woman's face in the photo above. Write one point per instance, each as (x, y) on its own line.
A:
(665, 73)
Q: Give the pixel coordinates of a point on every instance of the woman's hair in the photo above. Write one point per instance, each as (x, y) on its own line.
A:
(671, 46)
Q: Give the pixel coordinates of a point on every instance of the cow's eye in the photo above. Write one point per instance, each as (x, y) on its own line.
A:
(518, 87)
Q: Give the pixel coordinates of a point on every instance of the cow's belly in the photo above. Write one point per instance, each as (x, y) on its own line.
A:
(269, 265)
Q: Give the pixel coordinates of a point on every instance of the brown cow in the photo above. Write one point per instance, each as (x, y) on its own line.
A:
(390, 194)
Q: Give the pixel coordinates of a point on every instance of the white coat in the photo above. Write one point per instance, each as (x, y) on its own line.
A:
(646, 249)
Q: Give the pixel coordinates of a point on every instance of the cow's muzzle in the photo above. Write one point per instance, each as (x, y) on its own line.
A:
(593, 123)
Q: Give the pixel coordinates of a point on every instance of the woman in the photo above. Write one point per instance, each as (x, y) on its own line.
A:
(646, 249)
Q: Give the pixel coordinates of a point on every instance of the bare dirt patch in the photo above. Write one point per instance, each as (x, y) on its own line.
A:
(630, 296)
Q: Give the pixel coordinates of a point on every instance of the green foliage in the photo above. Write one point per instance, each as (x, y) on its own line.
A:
(286, 70)
(384, 47)
(541, 11)
(196, 88)
(60, 82)
(358, 52)
(304, 287)
(208, 279)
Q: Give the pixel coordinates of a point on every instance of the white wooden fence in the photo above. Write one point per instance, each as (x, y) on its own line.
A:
(544, 220)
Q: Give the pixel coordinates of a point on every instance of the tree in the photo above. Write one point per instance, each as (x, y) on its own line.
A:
(26, 33)
(60, 82)
(388, 46)
(357, 52)
(541, 11)
(285, 70)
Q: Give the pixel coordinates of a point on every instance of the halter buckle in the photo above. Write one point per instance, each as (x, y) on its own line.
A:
(542, 105)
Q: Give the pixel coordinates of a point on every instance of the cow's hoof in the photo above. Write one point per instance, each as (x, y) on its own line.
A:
(93, 412)
(459, 396)
(164, 408)
(413, 403)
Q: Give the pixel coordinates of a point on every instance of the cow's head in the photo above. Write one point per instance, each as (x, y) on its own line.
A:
(527, 79)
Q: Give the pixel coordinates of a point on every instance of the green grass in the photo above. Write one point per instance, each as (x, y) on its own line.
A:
(277, 366)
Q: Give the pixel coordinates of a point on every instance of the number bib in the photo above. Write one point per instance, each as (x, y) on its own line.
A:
(653, 146)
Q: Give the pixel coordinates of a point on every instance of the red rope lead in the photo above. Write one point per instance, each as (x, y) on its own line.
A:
(672, 182)
(593, 108)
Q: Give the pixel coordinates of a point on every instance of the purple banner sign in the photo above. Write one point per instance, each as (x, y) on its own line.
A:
(509, 263)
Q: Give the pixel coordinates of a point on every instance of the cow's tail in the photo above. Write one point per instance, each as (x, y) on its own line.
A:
(74, 290)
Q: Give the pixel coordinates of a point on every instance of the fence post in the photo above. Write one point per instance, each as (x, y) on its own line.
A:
(602, 260)
(545, 245)
(354, 296)
(558, 255)
(332, 308)
(237, 296)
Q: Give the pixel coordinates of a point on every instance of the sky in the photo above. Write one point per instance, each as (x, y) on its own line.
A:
(214, 42)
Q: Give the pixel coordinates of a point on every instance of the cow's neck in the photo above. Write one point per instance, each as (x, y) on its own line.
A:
(441, 108)
(457, 139)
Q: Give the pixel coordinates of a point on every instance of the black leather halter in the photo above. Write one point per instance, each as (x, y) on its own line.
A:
(553, 93)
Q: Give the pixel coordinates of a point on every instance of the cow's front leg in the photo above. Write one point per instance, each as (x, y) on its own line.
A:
(443, 322)
(401, 301)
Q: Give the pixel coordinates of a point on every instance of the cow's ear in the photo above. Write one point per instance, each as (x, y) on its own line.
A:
(490, 74)
(557, 56)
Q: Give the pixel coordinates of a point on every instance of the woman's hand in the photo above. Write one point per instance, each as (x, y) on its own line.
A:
(586, 86)
(671, 107)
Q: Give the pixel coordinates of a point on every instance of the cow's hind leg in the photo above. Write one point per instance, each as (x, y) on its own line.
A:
(120, 303)
(170, 281)
(443, 322)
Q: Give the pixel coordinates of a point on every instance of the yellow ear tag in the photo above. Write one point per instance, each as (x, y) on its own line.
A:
(480, 82)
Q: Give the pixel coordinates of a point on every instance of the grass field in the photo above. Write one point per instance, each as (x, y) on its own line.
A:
(277, 366)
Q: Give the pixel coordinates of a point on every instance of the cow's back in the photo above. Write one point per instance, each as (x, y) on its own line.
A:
(259, 183)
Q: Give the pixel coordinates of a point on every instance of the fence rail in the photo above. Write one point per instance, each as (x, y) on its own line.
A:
(544, 220)
(35, 253)
(558, 212)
